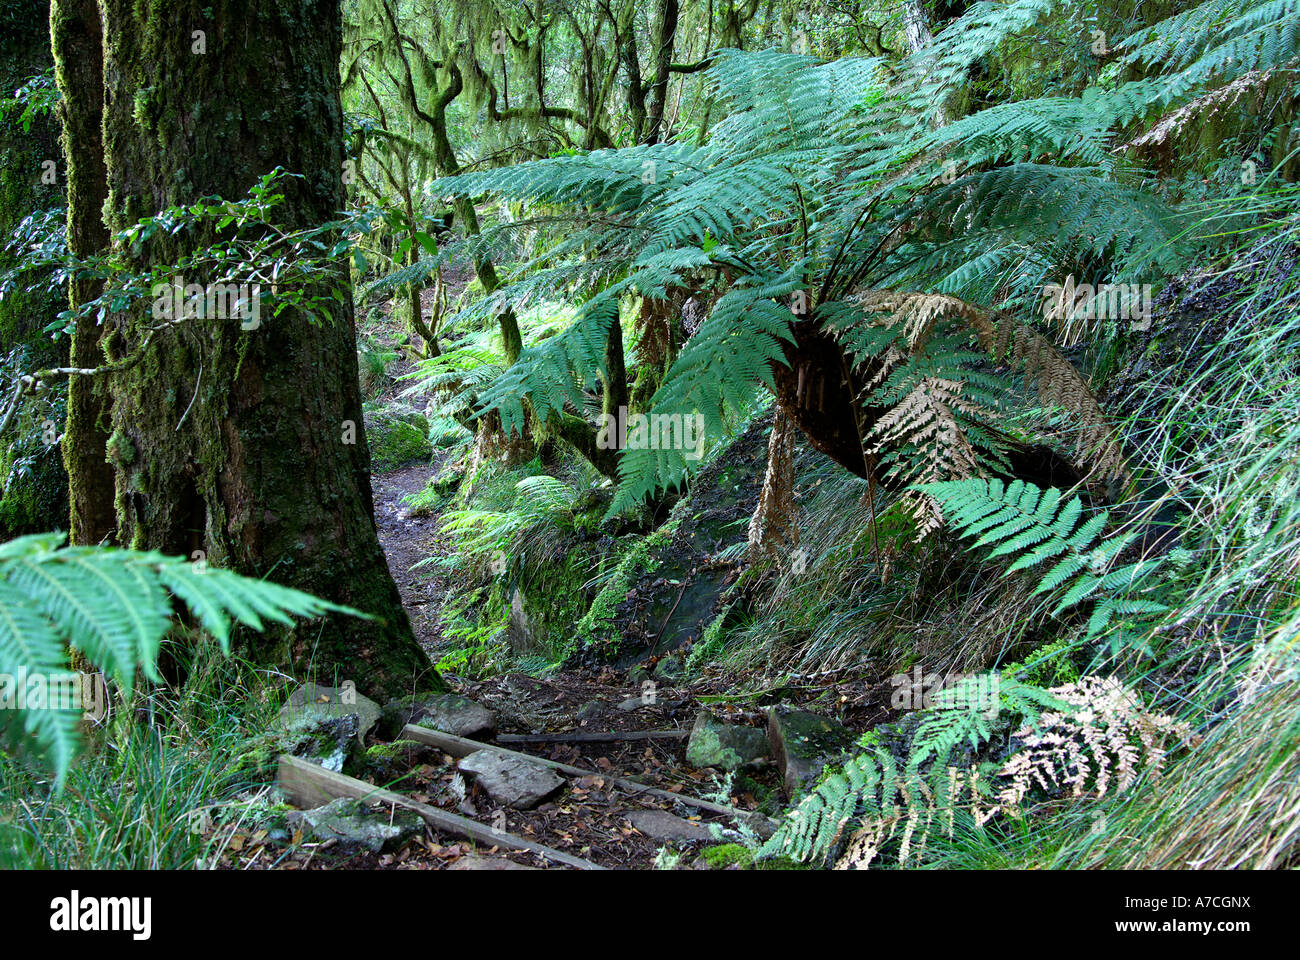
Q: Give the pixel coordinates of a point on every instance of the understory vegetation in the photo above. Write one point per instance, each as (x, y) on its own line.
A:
(933, 368)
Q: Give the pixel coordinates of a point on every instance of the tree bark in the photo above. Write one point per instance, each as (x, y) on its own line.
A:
(246, 447)
(667, 23)
(79, 55)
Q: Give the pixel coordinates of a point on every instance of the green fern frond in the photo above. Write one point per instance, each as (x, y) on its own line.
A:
(1020, 518)
(115, 606)
(873, 790)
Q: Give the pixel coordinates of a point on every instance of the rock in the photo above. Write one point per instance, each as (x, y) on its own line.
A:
(325, 740)
(669, 669)
(448, 712)
(398, 436)
(630, 704)
(509, 780)
(802, 743)
(358, 827)
(314, 700)
(473, 861)
(722, 745)
(662, 825)
(385, 762)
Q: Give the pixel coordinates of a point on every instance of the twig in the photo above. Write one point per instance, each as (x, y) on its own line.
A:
(610, 736)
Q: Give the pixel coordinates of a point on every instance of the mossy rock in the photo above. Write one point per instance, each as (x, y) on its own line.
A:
(727, 856)
(723, 745)
(386, 761)
(358, 827)
(448, 712)
(328, 741)
(317, 700)
(398, 436)
(803, 744)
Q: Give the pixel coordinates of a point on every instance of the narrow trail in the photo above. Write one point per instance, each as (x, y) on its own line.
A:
(593, 817)
(407, 540)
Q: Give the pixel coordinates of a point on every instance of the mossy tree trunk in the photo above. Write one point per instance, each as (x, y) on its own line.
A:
(33, 484)
(79, 53)
(246, 447)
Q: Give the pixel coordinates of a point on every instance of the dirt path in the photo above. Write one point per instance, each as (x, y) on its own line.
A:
(408, 540)
(593, 818)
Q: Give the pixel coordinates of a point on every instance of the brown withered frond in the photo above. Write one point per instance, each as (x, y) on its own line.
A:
(1223, 98)
(1105, 742)
(1011, 342)
(926, 421)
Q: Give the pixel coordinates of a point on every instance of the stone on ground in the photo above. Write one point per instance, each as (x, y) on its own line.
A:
(324, 740)
(511, 781)
(315, 700)
(723, 745)
(662, 825)
(398, 435)
(358, 827)
(447, 712)
(670, 669)
(802, 744)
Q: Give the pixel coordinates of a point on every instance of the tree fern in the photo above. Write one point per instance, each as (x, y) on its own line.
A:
(831, 178)
(114, 606)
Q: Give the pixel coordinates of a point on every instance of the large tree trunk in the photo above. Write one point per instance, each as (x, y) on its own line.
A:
(79, 54)
(246, 448)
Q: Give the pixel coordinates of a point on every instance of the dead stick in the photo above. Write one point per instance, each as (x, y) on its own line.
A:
(307, 784)
(611, 736)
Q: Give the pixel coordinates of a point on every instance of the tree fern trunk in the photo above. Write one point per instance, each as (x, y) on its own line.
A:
(774, 527)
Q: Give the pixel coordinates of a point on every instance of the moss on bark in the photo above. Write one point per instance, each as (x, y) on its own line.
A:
(247, 445)
(78, 69)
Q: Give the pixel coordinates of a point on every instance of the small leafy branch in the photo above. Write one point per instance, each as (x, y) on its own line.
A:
(114, 606)
(37, 96)
(289, 269)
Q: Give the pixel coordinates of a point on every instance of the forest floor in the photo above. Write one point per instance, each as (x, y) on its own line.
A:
(593, 818)
(407, 540)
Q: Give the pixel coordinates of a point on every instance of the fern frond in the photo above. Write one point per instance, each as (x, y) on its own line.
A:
(1055, 379)
(115, 607)
(875, 794)
(1020, 518)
